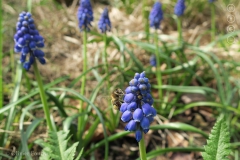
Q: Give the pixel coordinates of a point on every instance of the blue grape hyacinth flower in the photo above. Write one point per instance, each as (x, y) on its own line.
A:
(137, 107)
(179, 7)
(85, 15)
(156, 15)
(28, 41)
(153, 61)
(104, 23)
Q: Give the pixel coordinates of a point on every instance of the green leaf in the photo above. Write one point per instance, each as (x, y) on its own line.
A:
(218, 146)
(57, 148)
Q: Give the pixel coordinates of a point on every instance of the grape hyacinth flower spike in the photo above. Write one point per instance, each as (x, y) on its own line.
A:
(179, 7)
(153, 61)
(104, 23)
(28, 41)
(85, 15)
(156, 15)
(137, 107)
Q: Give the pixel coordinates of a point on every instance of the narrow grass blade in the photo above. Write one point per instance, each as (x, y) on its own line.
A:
(135, 59)
(58, 104)
(179, 126)
(187, 89)
(25, 135)
(1, 56)
(68, 121)
(209, 104)
(31, 94)
(119, 43)
(71, 85)
(12, 111)
(158, 152)
(109, 139)
(5, 156)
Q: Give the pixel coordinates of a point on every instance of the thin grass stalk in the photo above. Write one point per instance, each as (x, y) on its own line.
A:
(142, 149)
(84, 55)
(158, 70)
(1, 55)
(29, 5)
(213, 22)
(43, 95)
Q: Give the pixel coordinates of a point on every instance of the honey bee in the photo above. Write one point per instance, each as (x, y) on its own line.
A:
(117, 98)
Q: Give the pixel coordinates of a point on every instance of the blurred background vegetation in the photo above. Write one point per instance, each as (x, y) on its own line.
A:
(200, 79)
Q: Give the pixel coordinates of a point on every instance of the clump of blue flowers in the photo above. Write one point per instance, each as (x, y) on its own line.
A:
(156, 15)
(137, 107)
(153, 61)
(179, 7)
(28, 40)
(104, 23)
(85, 15)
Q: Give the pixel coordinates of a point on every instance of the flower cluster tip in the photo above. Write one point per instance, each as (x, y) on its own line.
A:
(104, 23)
(179, 7)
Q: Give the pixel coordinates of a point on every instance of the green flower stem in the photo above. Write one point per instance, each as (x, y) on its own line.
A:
(213, 23)
(179, 27)
(29, 5)
(145, 17)
(142, 149)
(105, 57)
(180, 41)
(113, 119)
(84, 56)
(43, 95)
(158, 70)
